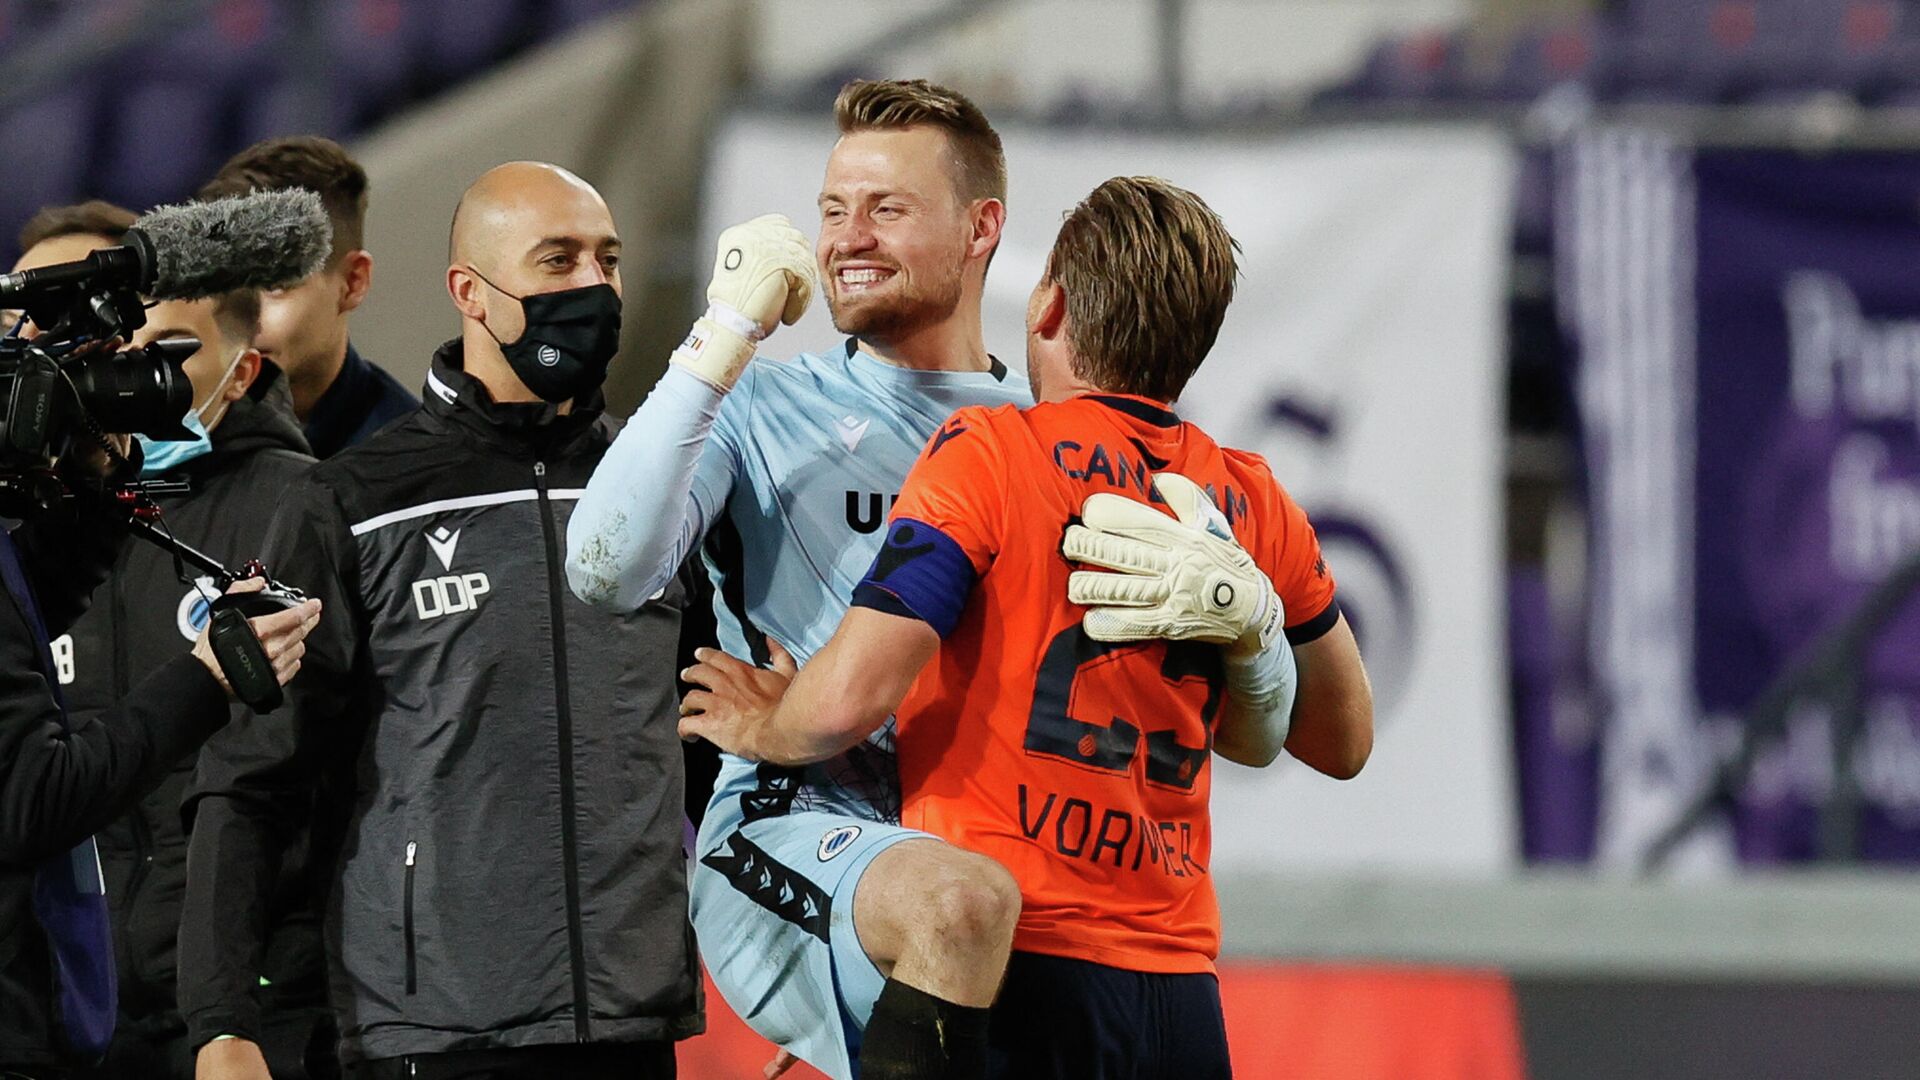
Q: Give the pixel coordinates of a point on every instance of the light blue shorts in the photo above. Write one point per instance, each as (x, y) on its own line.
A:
(773, 911)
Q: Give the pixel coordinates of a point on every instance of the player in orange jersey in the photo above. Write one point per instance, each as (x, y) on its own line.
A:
(1063, 721)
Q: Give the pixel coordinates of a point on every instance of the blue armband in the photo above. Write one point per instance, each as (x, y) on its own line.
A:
(920, 573)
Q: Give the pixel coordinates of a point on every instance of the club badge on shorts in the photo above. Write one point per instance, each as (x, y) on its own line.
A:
(838, 840)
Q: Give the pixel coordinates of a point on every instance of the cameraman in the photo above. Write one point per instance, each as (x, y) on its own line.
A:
(249, 450)
(63, 780)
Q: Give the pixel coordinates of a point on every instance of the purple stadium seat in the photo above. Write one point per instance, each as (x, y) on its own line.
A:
(47, 143)
(237, 39)
(462, 36)
(1549, 55)
(270, 111)
(1422, 67)
(166, 136)
(373, 45)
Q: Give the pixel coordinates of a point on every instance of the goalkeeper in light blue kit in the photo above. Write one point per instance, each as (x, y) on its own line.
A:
(784, 471)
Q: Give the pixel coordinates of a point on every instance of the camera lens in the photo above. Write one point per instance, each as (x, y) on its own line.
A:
(140, 390)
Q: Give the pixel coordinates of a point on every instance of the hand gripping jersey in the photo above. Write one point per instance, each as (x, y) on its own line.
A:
(1082, 766)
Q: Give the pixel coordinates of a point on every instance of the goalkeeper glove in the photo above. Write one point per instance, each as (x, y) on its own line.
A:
(1180, 578)
(763, 275)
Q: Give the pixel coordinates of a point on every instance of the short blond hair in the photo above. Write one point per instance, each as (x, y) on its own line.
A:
(1148, 270)
(979, 163)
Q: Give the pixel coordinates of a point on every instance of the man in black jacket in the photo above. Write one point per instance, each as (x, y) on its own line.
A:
(495, 760)
(62, 779)
(250, 451)
(339, 396)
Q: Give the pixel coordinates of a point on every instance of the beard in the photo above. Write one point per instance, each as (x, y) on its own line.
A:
(906, 306)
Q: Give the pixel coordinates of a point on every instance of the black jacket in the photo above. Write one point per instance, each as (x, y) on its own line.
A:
(362, 400)
(496, 762)
(57, 786)
(142, 617)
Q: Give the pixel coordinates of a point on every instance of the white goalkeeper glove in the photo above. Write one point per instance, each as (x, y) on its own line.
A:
(1179, 578)
(763, 275)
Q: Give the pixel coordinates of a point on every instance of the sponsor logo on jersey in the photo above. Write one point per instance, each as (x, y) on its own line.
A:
(452, 593)
(954, 429)
(838, 840)
(449, 595)
(867, 510)
(851, 431)
(443, 542)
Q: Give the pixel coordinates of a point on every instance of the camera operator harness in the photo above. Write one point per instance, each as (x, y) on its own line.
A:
(65, 387)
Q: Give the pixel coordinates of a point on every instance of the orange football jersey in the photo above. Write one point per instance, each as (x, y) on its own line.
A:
(1082, 767)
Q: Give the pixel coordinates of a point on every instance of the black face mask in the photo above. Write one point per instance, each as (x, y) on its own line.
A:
(570, 339)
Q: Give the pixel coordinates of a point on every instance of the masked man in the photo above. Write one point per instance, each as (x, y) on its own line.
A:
(494, 761)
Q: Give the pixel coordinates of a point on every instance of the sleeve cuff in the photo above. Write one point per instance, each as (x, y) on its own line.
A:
(223, 1024)
(868, 595)
(1315, 628)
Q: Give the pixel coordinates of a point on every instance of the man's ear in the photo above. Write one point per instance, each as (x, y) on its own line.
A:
(1050, 312)
(245, 370)
(464, 288)
(989, 220)
(356, 273)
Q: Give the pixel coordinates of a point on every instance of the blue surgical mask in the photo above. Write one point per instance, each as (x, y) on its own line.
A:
(163, 456)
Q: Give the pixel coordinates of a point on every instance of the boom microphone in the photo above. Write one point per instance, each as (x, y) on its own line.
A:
(265, 240)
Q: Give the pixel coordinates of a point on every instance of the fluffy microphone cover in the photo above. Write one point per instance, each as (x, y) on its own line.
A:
(265, 240)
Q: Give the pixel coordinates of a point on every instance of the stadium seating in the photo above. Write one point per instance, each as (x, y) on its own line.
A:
(1661, 51)
(175, 107)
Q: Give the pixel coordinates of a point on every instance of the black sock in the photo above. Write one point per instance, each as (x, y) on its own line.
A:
(916, 1036)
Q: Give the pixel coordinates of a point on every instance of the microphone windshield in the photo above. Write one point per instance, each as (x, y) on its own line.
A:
(265, 240)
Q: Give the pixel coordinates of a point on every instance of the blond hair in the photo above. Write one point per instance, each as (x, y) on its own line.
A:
(979, 163)
(1148, 270)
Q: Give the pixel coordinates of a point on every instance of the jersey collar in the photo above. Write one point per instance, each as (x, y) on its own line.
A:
(1140, 408)
(865, 361)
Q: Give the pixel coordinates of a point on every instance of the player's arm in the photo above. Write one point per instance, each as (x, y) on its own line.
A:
(789, 717)
(1332, 728)
(664, 478)
(941, 537)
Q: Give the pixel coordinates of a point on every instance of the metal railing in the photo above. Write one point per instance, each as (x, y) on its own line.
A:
(1832, 671)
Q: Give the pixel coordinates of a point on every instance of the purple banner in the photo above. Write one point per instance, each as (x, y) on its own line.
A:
(1747, 326)
(1808, 468)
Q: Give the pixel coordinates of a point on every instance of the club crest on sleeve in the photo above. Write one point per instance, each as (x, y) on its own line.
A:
(838, 840)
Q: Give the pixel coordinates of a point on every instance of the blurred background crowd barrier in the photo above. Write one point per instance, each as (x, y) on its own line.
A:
(1588, 332)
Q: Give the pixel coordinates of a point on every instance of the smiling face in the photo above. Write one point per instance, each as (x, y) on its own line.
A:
(894, 233)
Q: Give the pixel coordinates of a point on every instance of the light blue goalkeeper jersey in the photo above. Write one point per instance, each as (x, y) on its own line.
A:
(785, 483)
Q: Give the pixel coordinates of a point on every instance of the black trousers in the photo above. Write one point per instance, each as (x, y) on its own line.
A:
(1064, 1018)
(575, 1061)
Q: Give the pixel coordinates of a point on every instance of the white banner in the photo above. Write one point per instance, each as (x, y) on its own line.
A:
(1363, 357)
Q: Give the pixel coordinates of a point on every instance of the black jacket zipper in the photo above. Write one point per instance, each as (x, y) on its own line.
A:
(569, 840)
(406, 917)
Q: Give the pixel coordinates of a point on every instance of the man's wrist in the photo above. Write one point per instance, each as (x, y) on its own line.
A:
(727, 316)
(714, 352)
(1265, 629)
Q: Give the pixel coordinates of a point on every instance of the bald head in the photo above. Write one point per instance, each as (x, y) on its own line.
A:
(520, 202)
(523, 228)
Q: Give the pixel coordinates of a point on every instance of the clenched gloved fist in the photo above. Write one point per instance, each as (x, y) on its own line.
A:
(763, 275)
